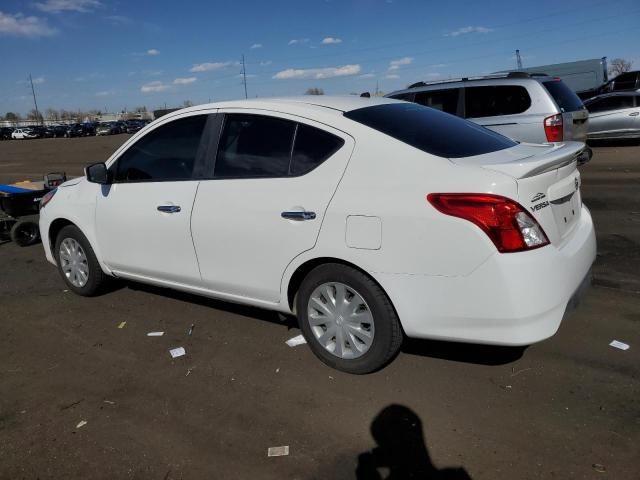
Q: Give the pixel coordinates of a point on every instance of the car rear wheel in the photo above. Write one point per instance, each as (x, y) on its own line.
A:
(77, 263)
(347, 319)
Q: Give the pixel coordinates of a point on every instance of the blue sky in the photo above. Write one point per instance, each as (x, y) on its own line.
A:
(115, 54)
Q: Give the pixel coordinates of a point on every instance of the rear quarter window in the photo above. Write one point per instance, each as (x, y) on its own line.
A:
(496, 100)
(566, 98)
(430, 130)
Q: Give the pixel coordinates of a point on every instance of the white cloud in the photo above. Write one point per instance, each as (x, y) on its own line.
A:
(265, 63)
(318, 73)
(156, 86)
(331, 40)
(209, 66)
(57, 6)
(469, 29)
(396, 64)
(184, 81)
(104, 93)
(295, 41)
(393, 76)
(367, 75)
(118, 20)
(20, 25)
(256, 45)
(38, 80)
(153, 51)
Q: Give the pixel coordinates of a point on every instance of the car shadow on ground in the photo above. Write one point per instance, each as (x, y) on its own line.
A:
(401, 451)
(463, 352)
(454, 351)
(619, 142)
(258, 313)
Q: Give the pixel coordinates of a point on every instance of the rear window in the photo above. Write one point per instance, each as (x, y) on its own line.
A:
(430, 130)
(566, 98)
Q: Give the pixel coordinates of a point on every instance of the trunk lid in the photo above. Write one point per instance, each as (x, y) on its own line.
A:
(548, 182)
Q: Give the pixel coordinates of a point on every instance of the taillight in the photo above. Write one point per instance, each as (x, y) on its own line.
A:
(507, 223)
(553, 128)
(47, 197)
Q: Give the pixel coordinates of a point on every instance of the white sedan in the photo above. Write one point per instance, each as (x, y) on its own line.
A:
(368, 219)
(23, 134)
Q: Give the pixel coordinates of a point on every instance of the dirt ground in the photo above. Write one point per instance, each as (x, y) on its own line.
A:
(566, 408)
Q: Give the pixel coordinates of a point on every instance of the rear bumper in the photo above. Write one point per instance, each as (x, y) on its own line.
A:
(511, 299)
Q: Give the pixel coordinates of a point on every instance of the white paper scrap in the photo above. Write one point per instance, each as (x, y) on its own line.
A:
(278, 451)
(81, 424)
(155, 334)
(177, 352)
(620, 345)
(295, 341)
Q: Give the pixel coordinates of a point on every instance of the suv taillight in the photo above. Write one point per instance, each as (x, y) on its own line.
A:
(507, 223)
(553, 128)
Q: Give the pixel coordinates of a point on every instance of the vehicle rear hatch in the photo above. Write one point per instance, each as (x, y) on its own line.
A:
(548, 182)
(575, 117)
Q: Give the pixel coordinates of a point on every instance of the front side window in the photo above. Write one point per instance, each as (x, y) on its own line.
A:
(444, 100)
(492, 101)
(616, 102)
(254, 146)
(166, 153)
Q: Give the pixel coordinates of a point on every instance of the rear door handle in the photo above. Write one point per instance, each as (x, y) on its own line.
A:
(299, 215)
(634, 114)
(169, 208)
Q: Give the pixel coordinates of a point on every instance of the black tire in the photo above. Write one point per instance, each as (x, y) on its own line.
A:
(388, 333)
(97, 279)
(25, 233)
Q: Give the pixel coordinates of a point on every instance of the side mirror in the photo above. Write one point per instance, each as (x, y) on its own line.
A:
(585, 156)
(97, 173)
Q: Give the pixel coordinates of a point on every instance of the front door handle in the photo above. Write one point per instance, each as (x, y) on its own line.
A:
(299, 215)
(169, 208)
(634, 114)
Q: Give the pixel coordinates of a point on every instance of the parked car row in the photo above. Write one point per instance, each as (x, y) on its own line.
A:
(73, 130)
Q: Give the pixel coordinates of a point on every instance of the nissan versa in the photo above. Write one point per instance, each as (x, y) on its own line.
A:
(369, 219)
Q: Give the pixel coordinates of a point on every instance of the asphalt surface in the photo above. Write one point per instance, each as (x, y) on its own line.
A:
(566, 408)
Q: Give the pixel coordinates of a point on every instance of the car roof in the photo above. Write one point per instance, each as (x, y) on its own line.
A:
(337, 103)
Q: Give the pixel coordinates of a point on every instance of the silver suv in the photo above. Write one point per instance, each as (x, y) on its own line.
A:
(526, 107)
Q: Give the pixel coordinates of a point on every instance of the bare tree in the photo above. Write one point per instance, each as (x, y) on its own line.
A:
(52, 114)
(187, 103)
(34, 115)
(618, 66)
(314, 91)
(140, 109)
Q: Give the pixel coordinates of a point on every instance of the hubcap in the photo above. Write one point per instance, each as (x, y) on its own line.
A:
(73, 262)
(340, 320)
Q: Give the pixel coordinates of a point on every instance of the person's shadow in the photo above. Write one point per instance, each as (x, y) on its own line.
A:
(401, 452)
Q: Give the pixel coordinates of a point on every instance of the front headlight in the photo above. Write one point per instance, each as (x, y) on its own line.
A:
(47, 197)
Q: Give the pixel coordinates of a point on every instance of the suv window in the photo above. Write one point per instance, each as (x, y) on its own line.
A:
(312, 147)
(166, 153)
(626, 81)
(431, 131)
(254, 146)
(408, 96)
(492, 101)
(566, 98)
(615, 102)
(444, 100)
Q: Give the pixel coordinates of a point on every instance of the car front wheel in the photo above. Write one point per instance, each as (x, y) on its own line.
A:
(347, 319)
(77, 263)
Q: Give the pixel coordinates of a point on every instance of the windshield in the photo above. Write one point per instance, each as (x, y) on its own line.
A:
(566, 98)
(431, 130)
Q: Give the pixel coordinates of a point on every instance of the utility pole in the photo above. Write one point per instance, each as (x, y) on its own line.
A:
(244, 77)
(33, 91)
(519, 60)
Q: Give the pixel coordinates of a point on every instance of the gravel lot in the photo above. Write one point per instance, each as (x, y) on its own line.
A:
(566, 408)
